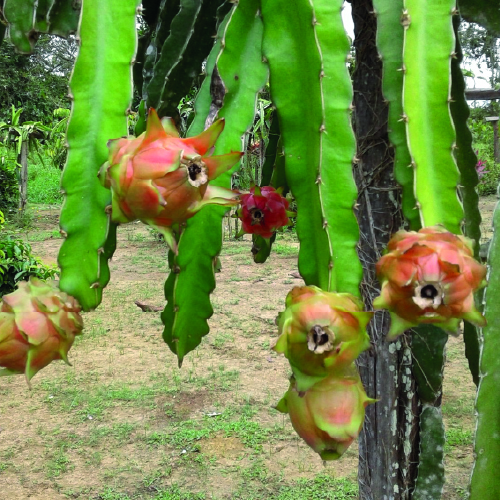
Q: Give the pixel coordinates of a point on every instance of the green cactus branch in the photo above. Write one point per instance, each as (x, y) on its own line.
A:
(466, 161)
(485, 481)
(102, 69)
(390, 38)
(426, 95)
(42, 22)
(430, 479)
(316, 133)
(21, 30)
(186, 314)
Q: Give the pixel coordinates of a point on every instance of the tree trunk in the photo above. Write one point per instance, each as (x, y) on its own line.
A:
(22, 159)
(388, 444)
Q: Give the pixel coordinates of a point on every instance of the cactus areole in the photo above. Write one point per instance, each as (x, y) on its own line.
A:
(162, 179)
(429, 276)
(38, 324)
(321, 333)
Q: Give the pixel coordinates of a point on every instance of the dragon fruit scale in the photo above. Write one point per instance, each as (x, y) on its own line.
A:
(162, 179)
(263, 211)
(429, 276)
(321, 333)
(38, 324)
(330, 414)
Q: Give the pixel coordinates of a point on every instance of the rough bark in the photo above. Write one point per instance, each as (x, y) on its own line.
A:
(388, 445)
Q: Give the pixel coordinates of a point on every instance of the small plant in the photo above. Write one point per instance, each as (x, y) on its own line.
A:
(9, 189)
(17, 263)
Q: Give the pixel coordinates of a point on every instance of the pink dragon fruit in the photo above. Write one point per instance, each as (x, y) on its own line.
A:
(162, 179)
(429, 277)
(38, 324)
(330, 415)
(263, 211)
(321, 333)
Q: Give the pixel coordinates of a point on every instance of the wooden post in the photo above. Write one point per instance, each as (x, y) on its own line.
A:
(496, 149)
(23, 182)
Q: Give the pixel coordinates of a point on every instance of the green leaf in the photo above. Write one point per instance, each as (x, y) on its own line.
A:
(429, 44)
(390, 38)
(430, 479)
(20, 16)
(102, 77)
(307, 49)
(485, 481)
(188, 307)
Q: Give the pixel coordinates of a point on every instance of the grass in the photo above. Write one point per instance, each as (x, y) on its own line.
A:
(125, 423)
(43, 182)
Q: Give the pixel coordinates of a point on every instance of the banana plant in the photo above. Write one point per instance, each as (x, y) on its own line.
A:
(387, 211)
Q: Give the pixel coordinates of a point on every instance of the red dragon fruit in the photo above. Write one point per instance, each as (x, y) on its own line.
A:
(321, 333)
(329, 415)
(429, 276)
(263, 211)
(38, 324)
(162, 179)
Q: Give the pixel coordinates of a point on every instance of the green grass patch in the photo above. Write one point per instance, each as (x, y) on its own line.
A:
(457, 437)
(44, 184)
(187, 433)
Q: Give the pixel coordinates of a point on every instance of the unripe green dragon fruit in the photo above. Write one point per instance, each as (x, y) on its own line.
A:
(330, 414)
(321, 333)
(429, 276)
(38, 324)
(162, 179)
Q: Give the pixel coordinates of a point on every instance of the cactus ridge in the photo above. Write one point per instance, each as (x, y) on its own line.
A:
(485, 481)
(430, 479)
(90, 237)
(21, 16)
(317, 137)
(426, 97)
(390, 36)
(185, 317)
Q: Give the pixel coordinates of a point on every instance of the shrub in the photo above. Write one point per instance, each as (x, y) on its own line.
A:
(9, 184)
(18, 263)
(44, 184)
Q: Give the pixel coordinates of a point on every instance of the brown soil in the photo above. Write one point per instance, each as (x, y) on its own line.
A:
(109, 423)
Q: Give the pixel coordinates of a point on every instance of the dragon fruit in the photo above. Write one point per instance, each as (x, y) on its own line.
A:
(321, 333)
(330, 414)
(263, 211)
(162, 179)
(38, 324)
(429, 276)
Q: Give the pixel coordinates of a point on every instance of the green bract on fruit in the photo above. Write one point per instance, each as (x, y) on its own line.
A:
(321, 333)
(329, 415)
(429, 276)
(162, 179)
(38, 324)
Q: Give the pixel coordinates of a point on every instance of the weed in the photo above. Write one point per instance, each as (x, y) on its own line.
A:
(457, 437)
(58, 464)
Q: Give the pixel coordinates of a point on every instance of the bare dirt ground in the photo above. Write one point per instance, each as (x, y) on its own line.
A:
(124, 422)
